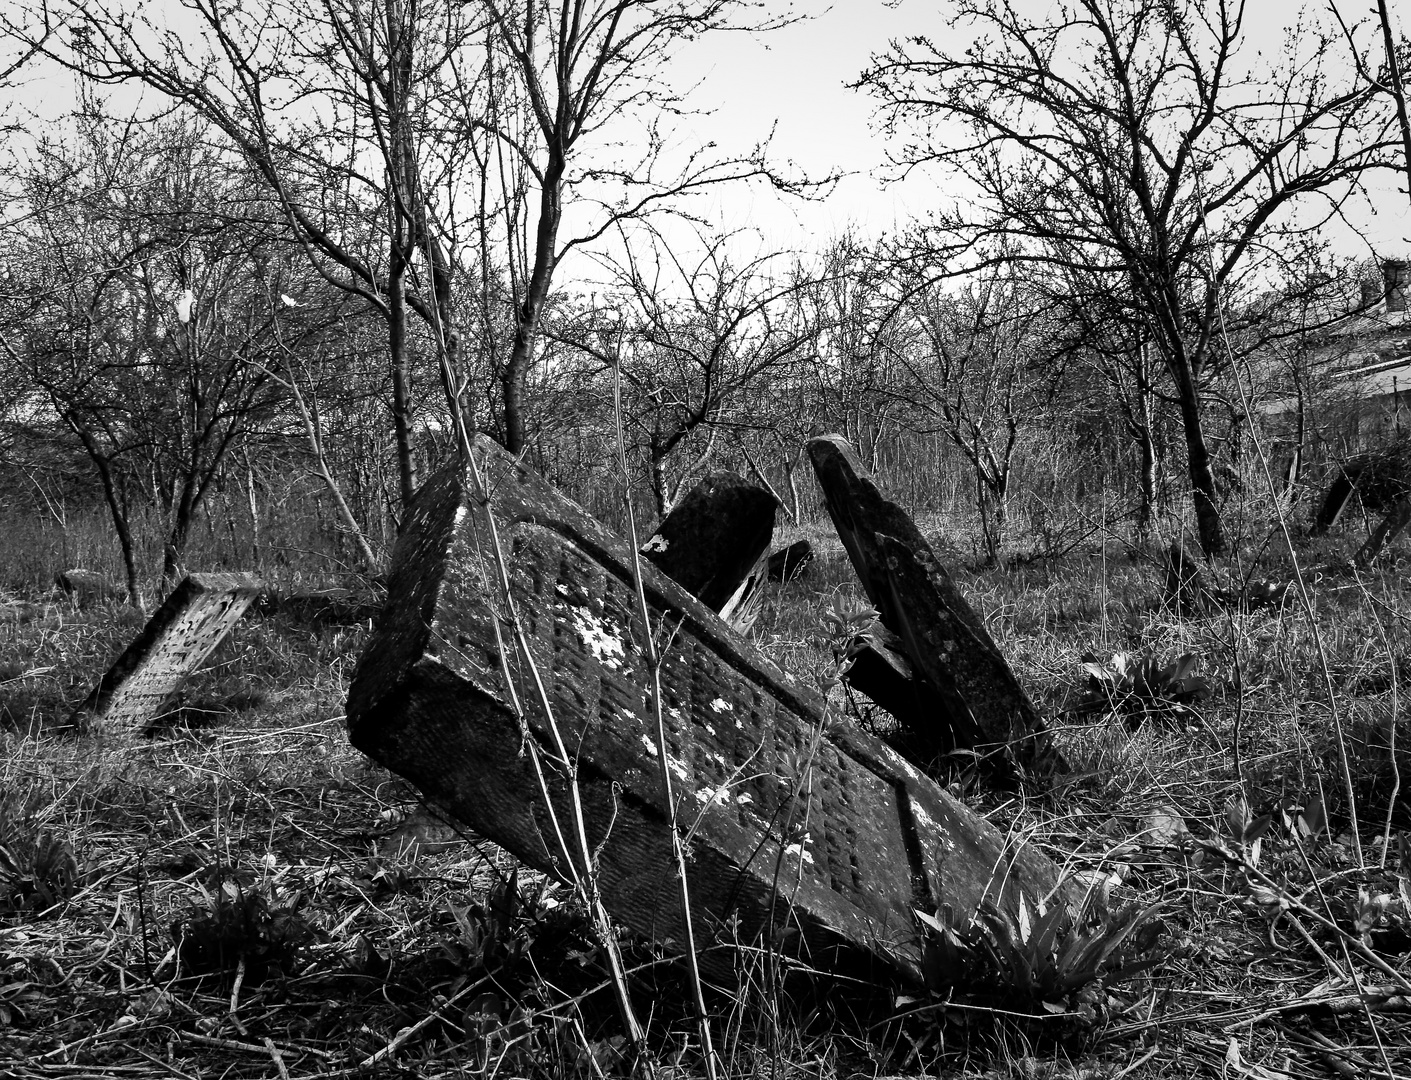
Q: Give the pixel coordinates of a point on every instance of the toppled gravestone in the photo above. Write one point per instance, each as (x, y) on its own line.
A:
(791, 562)
(796, 821)
(1380, 475)
(1388, 529)
(178, 637)
(965, 697)
(713, 538)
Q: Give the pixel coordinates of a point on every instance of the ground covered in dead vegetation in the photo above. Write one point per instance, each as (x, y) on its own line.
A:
(241, 894)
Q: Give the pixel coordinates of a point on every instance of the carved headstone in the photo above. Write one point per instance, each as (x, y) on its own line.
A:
(713, 537)
(972, 699)
(178, 637)
(1185, 584)
(795, 820)
(791, 562)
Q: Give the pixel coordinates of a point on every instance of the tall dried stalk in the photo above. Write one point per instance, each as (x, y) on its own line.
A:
(654, 660)
(574, 848)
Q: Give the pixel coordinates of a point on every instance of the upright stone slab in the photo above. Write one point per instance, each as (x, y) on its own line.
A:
(971, 699)
(815, 826)
(712, 539)
(178, 637)
(791, 562)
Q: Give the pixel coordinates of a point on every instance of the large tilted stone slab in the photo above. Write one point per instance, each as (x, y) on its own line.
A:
(970, 699)
(178, 637)
(712, 539)
(818, 823)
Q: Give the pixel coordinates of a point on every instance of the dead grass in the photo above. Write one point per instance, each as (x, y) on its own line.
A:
(404, 958)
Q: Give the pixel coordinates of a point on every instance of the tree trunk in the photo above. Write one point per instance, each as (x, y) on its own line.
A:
(184, 511)
(254, 513)
(661, 490)
(401, 378)
(992, 500)
(115, 502)
(1207, 512)
(1146, 510)
(516, 376)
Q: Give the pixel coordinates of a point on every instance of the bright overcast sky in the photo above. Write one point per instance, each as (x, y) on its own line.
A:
(793, 80)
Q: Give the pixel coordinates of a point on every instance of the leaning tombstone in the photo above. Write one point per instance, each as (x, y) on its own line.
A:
(1387, 530)
(1185, 593)
(973, 702)
(797, 818)
(711, 540)
(791, 562)
(178, 637)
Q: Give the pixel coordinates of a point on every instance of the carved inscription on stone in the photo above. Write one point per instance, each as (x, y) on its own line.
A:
(178, 637)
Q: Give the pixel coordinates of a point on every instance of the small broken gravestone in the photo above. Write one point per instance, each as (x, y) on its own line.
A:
(1185, 585)
(1387, 530)
(742, 609)
(711, 540)
(797, 818)
(178, 637)
(968, 697)
(88, 586)
(791, 562)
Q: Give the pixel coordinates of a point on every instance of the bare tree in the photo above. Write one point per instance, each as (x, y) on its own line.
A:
(134, 304)
(1139, 141)
(410, 144)
(698, 340)
(582, 65)
(981, 370)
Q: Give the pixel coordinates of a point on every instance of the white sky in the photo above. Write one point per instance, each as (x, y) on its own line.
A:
(793, 80)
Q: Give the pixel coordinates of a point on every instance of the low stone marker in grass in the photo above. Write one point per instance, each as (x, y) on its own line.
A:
(178, 637)
(799, 821)
(969, 698)
(711, 540)
(1185, 584)
(85, 587)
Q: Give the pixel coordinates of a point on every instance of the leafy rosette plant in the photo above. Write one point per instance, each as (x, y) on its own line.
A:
(1053, 962)
(1139, 686)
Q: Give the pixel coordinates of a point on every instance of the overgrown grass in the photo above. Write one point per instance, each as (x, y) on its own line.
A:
(251, 897)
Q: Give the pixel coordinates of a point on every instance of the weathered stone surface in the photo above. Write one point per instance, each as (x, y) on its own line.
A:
(973, 700)
(713, 537)
(89, 587)
(796, 821)
(178, 637)
(791, 562)
(1387, 530)
(881, 670)
(1185, 585)
(742, 609)
(1380, 476)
